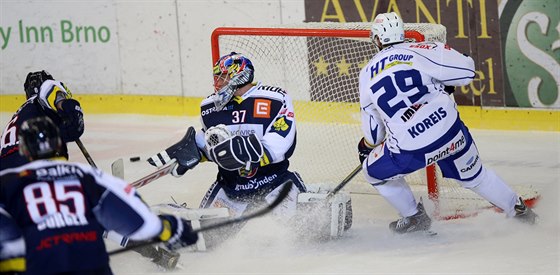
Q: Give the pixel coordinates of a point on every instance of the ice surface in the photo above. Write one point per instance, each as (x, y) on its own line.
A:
(486, 244)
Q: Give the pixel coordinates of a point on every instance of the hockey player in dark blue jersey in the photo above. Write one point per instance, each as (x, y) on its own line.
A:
(63, 208)
(249, 130)
(45, 97)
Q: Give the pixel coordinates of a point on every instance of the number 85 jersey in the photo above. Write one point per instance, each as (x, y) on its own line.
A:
(402, 95)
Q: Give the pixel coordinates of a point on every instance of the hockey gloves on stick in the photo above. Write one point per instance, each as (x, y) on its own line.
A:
(237, 152)
(364, 149)
(176, 232)
(185, 152)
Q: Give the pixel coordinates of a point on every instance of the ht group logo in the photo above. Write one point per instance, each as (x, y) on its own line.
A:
(532, 51)
(452, 147)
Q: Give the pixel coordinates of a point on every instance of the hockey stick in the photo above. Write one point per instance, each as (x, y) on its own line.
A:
(345, 181)
(117, 169)
(85, 153)
(168, 168)
(281, 196)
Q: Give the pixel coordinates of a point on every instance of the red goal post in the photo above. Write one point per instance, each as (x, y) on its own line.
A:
(357, 33)
(300, 49)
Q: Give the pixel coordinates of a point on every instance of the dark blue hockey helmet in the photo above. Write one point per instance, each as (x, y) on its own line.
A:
(33, 82)
(39, 138)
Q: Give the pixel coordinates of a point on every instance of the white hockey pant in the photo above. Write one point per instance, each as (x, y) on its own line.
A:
(492, 188)
(398, 194)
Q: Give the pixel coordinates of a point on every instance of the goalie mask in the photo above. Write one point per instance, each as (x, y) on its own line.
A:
(231, 72)
(389, 27)
(39, 138)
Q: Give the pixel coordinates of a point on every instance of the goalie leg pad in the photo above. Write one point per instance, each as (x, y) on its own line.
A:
(332, 216)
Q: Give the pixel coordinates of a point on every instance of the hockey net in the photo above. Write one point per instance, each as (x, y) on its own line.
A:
(318, 65)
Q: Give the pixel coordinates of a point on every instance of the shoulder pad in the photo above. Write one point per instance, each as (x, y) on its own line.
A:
(271, 88)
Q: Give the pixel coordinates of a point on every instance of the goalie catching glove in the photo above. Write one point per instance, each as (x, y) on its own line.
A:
(237, 152)
(176, 232)
(185, 152)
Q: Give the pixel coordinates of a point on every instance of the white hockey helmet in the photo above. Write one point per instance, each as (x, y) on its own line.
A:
(389, 27)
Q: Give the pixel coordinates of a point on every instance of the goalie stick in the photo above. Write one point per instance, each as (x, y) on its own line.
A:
(281, 196)
(182, 154)
(168, 168)
(117, 169)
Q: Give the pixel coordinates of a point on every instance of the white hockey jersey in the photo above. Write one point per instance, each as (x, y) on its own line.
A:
(402, 97)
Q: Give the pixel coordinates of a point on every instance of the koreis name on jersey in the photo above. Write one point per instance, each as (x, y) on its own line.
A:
(455, 145)
(428, 122)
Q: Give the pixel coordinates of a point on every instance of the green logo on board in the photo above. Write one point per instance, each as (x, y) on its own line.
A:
(532, 54)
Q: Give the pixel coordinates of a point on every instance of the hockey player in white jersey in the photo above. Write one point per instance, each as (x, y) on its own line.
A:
(410, 121)
(249, 130)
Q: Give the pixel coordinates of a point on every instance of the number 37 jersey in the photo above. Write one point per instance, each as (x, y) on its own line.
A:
(402, 94)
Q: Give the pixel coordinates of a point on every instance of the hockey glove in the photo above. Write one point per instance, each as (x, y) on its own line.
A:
(364, 149)
(176, 232)
(237, 152)
(185, 152)
(72, 120)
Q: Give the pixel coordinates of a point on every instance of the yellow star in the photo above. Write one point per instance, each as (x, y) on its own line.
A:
(321, 66)
(343, 67)
(363, 63)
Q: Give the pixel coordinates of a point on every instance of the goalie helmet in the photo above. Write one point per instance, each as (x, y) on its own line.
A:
(39, 138)
(231, 65)
(33, 82)
(231, 72)
(389, 27)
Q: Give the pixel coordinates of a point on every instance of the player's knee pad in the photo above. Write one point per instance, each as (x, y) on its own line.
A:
(327, 217)
(197, 217)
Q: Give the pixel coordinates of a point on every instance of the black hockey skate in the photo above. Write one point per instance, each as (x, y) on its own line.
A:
(417, 222)
(523, 213)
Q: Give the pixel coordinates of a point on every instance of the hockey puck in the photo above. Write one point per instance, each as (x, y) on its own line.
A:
(134, 159)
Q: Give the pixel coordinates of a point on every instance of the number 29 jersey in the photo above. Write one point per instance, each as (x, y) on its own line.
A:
(402, 94)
